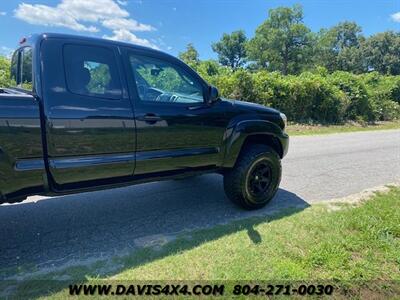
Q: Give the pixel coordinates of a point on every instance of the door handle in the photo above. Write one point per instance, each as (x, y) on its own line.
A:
(151, 118)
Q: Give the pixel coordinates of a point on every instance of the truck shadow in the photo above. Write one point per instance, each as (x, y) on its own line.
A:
(51, 233)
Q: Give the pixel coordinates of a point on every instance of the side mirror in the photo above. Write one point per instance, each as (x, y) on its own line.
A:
(213, 94)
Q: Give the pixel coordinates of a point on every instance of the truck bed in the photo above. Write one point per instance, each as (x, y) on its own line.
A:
(12, 91)
(21, 151)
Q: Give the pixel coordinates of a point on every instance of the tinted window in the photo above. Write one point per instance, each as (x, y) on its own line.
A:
(91, 71)
(161, 81)
(26, 68)
(14, 67)
(21, 68)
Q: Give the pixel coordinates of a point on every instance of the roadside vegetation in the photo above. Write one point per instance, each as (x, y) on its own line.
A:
(354, 245)
(332, 76)
(5, 80)
(317, 97)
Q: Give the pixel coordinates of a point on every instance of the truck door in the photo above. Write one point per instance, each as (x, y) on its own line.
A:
(176, 129)
(90, 129)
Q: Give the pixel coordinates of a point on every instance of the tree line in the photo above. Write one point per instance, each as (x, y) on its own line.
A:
(284, 43)
(335, 75)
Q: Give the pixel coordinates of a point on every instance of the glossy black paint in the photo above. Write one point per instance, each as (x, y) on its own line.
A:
(53, 141)
(21, 155)
(181, 135)
(78, 126)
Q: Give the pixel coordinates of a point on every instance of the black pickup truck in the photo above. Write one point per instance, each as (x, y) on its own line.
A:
(89, 114)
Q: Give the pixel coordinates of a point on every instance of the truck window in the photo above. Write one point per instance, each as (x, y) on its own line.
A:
(162, 81)
(21, 68)
(14, 67)
(26, 69)
(91, 71)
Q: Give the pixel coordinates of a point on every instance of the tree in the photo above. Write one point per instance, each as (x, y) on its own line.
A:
(231, 49)
(99, 77)
(382, 52)
(282, 42)
(5, 80)
(208, 68)
(339, 48)
(190, 56)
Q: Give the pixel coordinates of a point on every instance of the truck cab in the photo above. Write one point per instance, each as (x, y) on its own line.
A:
(89, 114)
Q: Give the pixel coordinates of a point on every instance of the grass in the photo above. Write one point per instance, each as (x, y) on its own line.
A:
(304, 129)
(357, 246)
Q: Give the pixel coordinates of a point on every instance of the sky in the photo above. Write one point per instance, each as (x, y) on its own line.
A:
(169, 25)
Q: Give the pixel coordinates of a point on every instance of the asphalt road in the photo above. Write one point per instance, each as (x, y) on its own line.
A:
(48, 232)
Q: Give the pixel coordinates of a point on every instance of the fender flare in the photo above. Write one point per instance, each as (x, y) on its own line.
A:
(237, 135)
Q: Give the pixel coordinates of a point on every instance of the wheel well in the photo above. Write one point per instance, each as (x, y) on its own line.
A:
(264, 139)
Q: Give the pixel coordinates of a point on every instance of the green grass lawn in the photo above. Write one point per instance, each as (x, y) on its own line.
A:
(357, 245)
(303, 129)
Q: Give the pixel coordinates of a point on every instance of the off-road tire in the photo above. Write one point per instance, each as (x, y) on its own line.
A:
(239, 181)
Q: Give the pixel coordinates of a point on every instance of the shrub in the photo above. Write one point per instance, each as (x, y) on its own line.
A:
(328, 103)
(5, 80)
(384, 92)
(315, 96)
(305, 98)
(360, 104)
(388, 110)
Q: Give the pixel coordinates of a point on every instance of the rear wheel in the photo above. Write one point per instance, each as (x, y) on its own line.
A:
(255, 179)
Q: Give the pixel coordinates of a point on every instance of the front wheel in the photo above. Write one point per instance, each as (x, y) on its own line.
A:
(255, 179)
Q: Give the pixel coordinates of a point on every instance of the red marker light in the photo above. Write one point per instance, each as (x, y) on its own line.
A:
(23, 40)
